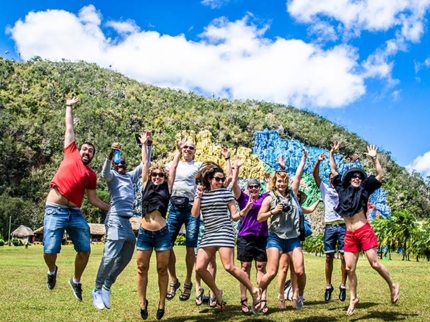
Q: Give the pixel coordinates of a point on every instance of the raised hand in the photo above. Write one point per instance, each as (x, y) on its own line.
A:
(116, 146)
(321, 157)
(305, 153)
(199, 191)
(224, 151)
(355, 157)
(335, 147)
(238, 162)
(281, 161)
(372, 151)
(71, 100)
(180, 144)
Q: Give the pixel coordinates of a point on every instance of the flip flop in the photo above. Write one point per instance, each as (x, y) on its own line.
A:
(264, 307)
(244, 306)
(199, 297)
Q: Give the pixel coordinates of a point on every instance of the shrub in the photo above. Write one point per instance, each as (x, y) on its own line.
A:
(180, 240)
(17, 242)
(1, 242)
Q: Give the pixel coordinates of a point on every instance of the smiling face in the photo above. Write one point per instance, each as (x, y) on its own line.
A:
(281, 183)
(188, 151)
(254, 191)
(356, 179)
(121, 167)
(217, 181)
(87, 153)
(158, 176)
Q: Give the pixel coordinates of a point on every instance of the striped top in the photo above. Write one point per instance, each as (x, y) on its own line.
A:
(213, 206)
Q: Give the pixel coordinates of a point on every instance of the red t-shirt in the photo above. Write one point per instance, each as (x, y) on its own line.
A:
(73, 176)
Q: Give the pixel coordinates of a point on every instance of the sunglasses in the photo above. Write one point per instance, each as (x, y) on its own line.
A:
(254, 187)
(357, 176)
(157, 174)
(218, 179)
(189, 147)
(122, 162)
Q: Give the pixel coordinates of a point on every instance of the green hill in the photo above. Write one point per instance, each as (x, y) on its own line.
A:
(113, 107)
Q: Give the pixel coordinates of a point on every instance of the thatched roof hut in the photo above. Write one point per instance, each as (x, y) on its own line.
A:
(22, 232)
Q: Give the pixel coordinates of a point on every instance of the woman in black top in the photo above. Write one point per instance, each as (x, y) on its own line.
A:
(354, 190)
(153, 234)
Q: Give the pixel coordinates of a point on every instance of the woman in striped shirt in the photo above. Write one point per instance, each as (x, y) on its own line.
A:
(214, 201)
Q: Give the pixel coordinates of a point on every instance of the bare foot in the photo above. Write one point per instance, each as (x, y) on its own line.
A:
(281, 302)
(352, 304)
(256, 300)
(395, 293)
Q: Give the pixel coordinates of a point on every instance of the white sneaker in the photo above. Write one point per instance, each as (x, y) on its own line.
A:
(97, 299)
(300, 302)
(106, 297)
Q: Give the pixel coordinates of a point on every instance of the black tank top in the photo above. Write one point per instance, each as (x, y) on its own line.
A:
(155, 197)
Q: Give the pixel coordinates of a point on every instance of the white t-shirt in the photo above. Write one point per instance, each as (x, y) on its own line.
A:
(331, 200)
(185, 180)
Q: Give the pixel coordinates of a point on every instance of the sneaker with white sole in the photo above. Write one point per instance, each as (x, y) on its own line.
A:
(300, 302)
(106, 297)
(97, 299)
(51, 279)
(77, 289)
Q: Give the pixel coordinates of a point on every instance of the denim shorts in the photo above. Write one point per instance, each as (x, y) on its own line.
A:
(284, 245)
(59, 218)
(153, 239)
(334, 234)
(178, 217)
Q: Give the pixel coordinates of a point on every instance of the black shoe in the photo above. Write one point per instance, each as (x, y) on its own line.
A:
(160, 314)
(144, 312)
(51, 280)
(77, 289)
(328, 291)
(342, 294)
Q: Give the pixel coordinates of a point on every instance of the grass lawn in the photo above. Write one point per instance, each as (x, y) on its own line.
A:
(25, 297)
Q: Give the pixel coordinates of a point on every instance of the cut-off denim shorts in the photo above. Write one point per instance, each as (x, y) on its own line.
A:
(59, 218)
(284, 245)
(153, 239)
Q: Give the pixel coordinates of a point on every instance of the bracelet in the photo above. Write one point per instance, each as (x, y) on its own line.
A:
(69, 105)
(374, 158)
(240, 214)
(271, 213)
(197, 197)
(228, 158)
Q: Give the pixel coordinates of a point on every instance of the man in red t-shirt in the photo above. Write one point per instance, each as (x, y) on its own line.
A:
(62, 211)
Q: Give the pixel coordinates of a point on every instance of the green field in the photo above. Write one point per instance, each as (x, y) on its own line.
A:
(24, 296)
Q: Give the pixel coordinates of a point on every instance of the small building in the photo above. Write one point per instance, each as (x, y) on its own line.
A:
(24, 233)
(97, 232)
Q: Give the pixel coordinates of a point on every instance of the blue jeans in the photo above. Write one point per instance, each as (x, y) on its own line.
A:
(178, 217)
(334, 234)
(153, 239)
(284, 245)
(118, 250)
(59, 218)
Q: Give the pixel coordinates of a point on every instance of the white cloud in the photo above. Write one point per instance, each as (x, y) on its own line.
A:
(419, 65)
(214, 4)
(421, 164)
(232, 59)
(323, 31)
(123, 27)
(371, 15)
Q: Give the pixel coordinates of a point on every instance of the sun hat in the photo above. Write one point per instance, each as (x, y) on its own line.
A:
(346, 178)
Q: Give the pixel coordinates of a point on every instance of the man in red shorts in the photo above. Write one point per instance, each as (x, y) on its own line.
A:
(354, 189)
(62, 211)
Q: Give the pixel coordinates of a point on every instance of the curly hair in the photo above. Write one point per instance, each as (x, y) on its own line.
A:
(280, 174)
(159, 167)
(206, 173)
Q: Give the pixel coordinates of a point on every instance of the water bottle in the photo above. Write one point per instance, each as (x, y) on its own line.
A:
(117, 156)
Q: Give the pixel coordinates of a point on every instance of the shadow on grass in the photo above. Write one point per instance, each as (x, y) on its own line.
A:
(385, 316)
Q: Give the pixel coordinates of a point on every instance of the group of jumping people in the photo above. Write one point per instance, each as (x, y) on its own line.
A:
(204, 198)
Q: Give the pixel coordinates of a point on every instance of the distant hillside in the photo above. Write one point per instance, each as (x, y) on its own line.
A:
(113, 107)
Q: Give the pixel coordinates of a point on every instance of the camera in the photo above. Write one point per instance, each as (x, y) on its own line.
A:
(286, 207)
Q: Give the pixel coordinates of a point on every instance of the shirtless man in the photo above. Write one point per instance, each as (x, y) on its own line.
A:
(354, 189)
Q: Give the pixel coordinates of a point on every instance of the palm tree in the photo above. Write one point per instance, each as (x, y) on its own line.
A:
(404, 228)
(384, 229)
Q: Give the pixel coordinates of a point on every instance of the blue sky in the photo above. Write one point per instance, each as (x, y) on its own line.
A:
(362, 64)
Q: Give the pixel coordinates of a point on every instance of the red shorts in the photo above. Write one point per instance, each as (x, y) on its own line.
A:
(361, 239)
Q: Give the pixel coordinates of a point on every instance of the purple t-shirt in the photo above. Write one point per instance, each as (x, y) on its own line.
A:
(249, 225)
